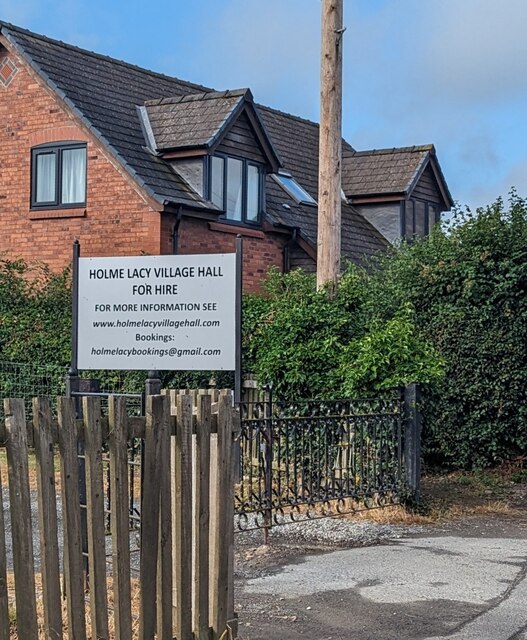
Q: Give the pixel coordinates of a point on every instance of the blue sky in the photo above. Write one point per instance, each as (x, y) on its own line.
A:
(451, 72)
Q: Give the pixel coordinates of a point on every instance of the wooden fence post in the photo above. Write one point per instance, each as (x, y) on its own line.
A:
(4, 602)
(20, 501)
(222, 540)
(164, 557)
(95, 516)
(202, 519)
(73, 560)
(150, 518)
(232, 617)
(47, 511)
(118, 442)
(183, 518)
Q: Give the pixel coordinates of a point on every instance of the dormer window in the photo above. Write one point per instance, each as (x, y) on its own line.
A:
(235, 187)
(58, 176)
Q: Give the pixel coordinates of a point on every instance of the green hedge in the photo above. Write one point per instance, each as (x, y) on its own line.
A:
(309, 344)
(468, 286)
(449, 311)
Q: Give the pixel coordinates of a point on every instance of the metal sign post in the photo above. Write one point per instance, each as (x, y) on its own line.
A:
(238, 320)
(72, 380)
(72, 391)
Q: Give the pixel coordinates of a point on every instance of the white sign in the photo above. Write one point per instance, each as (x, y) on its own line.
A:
(157, 312)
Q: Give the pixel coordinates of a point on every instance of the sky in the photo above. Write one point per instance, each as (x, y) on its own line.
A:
(448, 72)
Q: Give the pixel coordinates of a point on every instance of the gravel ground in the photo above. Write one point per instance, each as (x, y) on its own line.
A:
(288, 545)
(34, 522)
(462, 579)
(329, 531)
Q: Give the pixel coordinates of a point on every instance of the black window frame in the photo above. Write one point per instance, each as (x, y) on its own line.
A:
(56, 149)
(261, 187)
(405, 212)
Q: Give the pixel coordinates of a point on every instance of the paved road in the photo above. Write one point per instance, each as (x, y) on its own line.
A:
(432, 587)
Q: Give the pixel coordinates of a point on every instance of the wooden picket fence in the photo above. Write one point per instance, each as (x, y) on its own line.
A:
(185, 583)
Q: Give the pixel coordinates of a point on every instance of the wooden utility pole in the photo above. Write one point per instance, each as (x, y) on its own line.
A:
(330, 150)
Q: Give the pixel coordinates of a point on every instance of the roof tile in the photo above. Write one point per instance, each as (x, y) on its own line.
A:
(382, 171)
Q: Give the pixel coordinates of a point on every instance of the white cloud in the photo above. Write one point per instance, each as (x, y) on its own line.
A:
(449, 72)
(447, 52)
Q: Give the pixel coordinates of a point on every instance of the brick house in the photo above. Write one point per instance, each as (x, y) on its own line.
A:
(131, 161)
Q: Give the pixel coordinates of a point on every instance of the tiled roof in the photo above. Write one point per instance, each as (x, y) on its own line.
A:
(382, 171)
(105, 94)
(192, 121)
(296, 141)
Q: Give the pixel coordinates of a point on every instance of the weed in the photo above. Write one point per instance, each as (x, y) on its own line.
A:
(519, 477)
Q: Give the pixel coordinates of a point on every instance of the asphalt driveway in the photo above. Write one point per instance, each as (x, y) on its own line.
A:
(464, 581)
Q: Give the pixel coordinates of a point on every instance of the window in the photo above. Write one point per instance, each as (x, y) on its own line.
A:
(409, 226)
(291, 186)
(419, 218)
(235, 186)
(58, 176)
(432, 217)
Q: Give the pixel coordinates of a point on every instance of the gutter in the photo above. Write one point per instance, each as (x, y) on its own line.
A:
(175, 231)
(286, 252)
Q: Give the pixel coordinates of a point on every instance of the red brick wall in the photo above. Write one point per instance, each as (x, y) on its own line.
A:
(117, 219)
(260, 250)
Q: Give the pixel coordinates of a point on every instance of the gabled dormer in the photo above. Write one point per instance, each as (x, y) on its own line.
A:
(218, 144)
(400, 191)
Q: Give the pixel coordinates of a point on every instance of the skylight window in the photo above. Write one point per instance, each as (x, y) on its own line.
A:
(291, 186)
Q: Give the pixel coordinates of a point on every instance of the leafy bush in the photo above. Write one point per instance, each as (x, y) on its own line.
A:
(312, 345)
(468, 285)
(35, 313)
(449, 311)
(389, 354)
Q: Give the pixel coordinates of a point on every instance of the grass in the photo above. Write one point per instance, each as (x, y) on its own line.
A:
(451, 496)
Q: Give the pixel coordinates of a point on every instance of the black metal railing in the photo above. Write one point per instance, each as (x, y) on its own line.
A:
(310, 459)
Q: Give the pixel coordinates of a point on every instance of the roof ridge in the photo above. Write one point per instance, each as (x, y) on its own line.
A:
(197, 97)
(100, 56)
(386, 151)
